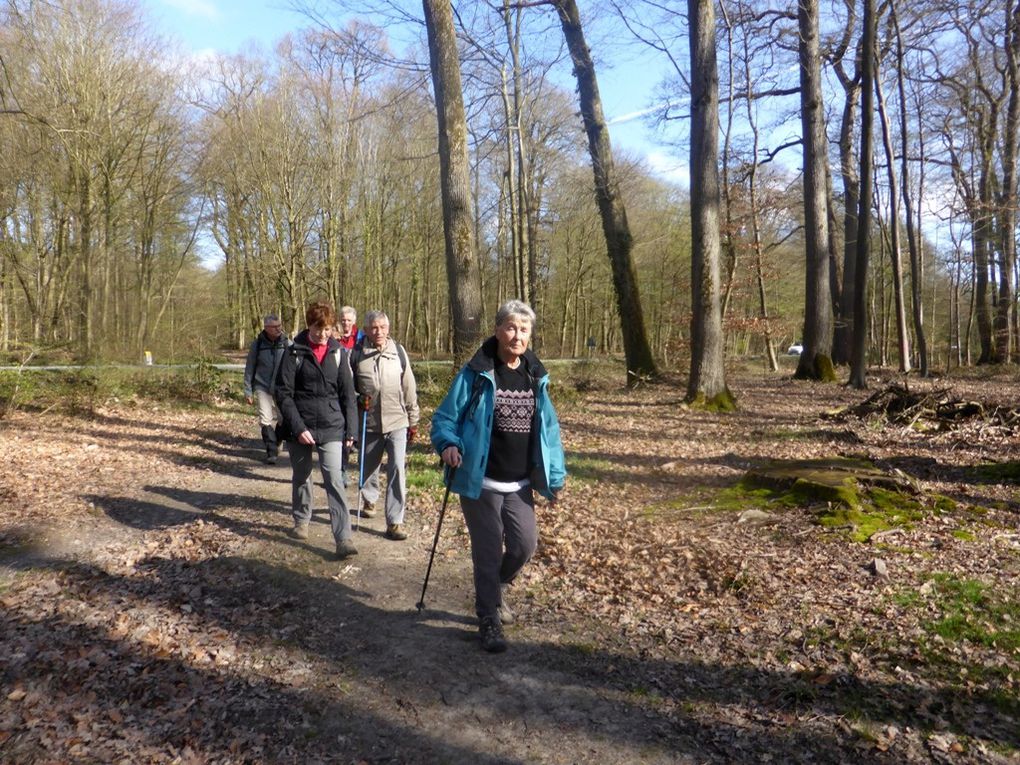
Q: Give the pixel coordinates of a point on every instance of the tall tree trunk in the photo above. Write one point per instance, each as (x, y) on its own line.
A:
(851, 83)
(1005, 342)
(86, 254)
(913, 245)
(895, 252)
(707, 381)
(816, 360)
(859, 355)
(756, 239)
(512, 24)
(619, 242)
(462, 268)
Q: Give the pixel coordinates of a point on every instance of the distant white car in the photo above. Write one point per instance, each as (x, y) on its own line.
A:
(795, 350)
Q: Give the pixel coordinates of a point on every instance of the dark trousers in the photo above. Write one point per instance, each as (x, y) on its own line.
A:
(504, 536)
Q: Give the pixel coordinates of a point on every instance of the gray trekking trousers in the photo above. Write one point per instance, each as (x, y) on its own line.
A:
(504, 536)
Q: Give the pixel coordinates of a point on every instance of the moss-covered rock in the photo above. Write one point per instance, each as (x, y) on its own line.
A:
(849, 493)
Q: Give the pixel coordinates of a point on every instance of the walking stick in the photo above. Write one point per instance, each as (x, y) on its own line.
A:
(361, 457)
(435, 540)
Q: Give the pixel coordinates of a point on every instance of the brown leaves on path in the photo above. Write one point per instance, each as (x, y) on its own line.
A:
(153, 609)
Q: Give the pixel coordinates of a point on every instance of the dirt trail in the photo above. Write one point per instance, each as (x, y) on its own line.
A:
(324, 661)
(153, 609)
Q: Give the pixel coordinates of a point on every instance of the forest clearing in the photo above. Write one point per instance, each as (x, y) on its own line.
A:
(154, 609)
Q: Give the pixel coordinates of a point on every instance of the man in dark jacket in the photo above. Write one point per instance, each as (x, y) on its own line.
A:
(260, 370)
(315, 393)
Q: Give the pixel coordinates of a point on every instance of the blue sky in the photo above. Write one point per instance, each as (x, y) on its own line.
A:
(228, 26)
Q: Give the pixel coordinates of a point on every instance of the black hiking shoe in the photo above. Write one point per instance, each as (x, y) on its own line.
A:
(491, 633)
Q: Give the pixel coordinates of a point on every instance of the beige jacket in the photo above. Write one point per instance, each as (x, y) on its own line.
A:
(394, 403)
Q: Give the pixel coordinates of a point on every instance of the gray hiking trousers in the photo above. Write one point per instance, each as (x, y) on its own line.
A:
(330, 464)
(504, 536)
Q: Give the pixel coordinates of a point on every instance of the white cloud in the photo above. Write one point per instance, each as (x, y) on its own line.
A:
(200, 8)
(669, 168)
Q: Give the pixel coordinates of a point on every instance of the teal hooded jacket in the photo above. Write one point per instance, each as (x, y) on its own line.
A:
(464, 420)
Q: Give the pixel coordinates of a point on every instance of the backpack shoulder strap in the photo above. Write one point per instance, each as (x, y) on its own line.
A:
(354, 358)
(402, 355)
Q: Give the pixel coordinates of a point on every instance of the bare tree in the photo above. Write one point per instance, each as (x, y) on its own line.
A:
(913, 243)
(848, 164)
(455, 179)
(707, 382)
(816, 360)
(859, 356)
(619, 240)
(895, 250)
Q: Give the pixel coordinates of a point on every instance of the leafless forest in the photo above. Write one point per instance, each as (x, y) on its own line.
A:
(151, 201)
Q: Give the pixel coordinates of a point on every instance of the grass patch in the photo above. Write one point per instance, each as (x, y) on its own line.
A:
(743, 497)
(423, 471)
(588, 469)
(84, 391)
(973, 612)
(967, 612)
(998, 472)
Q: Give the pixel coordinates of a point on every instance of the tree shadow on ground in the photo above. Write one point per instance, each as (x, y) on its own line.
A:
(223, 452)
(152, 516)
(144, 704)
(396, 670)
(976, 476)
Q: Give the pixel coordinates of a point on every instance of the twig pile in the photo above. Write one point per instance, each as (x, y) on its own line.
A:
(935, 409)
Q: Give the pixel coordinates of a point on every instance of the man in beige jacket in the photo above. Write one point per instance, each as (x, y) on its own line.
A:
(384, 380)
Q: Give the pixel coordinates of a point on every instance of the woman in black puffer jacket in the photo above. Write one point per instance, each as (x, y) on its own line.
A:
(315, 393)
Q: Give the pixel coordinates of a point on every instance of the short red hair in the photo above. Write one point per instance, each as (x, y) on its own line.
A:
(320, 315)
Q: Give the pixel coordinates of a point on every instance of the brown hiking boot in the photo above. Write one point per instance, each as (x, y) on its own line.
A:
(367, 509)
(300, 531)
(395, 531)
(345, 549)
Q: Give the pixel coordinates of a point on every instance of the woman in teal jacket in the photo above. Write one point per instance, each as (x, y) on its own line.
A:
(498, 433)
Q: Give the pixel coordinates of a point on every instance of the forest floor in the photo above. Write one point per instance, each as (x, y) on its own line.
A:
(155, 611)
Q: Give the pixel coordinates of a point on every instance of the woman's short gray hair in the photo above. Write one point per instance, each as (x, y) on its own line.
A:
(514, 308)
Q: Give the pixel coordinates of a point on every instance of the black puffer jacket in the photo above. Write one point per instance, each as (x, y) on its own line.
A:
(320, 399)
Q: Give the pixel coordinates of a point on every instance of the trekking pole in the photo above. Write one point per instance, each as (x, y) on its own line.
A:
(361, 458)
(435, 540)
